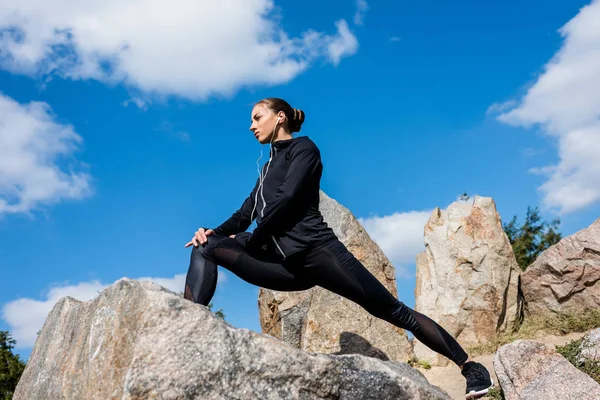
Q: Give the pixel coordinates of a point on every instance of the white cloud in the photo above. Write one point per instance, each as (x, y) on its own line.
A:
(33, 149)
(497, 108)
(26, 316)
(565, 102)
(399, 235)
(345, 44)
(136, 101)
(190, 48)
(529, 152)
(182, 135)
(361, 9)
(167, 127)
(395, 39)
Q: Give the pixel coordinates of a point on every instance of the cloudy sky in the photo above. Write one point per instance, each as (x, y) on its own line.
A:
(124, 127)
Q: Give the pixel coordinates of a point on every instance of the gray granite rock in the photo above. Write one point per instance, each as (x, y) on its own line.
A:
(137, 340)
(528, 370)
(566, 277)
(467, 278)
(589, 350)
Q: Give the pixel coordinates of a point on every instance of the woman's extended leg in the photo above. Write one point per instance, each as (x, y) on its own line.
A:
(201, 279)
(334, 268)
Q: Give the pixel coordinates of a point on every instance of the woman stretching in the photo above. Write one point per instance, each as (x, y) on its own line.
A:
(292, 248)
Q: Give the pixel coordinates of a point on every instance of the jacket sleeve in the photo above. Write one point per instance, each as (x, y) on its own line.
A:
(241, 219)
(303, 164)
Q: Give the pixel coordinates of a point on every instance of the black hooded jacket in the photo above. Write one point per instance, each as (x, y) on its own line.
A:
(286, 207)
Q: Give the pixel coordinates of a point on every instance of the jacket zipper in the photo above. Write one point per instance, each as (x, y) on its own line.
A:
(273, 237)
(279, 248)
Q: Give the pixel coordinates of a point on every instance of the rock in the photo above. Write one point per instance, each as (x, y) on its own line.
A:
(137, 340)
(530, 370)
(320, 321)
(564, 278)
(467, 278)
(589, 350)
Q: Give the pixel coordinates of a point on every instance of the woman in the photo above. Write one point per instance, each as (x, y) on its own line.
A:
(292, 248)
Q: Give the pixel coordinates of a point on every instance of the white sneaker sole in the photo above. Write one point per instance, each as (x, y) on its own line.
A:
(473, 395)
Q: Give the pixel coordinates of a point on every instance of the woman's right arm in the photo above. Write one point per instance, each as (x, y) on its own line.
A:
(238, 222)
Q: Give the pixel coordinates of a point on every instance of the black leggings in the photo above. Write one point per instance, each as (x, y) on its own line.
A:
(330, 266)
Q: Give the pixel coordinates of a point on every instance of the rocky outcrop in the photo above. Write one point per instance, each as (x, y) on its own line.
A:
(137, 340)
(528, 370)
(318, 320)
(589, 350)
(565, 278)
(467, 278)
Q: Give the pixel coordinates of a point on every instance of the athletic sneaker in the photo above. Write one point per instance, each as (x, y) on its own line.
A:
(478, 380)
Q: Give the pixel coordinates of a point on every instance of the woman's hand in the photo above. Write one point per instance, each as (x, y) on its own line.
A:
(200, 237)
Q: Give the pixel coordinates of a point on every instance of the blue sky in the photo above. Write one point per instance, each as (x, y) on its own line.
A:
(122, 130)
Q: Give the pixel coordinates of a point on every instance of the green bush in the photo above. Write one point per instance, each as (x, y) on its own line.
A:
(11, 366)
(531, 238)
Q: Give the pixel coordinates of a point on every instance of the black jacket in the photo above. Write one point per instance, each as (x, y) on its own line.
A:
(291, 220)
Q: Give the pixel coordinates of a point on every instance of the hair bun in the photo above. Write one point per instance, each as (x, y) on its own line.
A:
(297, 120)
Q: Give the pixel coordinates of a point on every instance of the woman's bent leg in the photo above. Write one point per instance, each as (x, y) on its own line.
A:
(334, 268)
(261, 271)
(201, 279)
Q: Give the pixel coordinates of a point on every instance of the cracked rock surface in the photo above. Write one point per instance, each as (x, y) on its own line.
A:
(528, 370)
(565, 278)
(467, 278)
(137, 340)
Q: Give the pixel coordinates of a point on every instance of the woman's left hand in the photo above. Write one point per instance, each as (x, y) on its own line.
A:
(232, 236)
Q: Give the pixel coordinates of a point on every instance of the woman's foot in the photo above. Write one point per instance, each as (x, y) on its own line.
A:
(479, 381)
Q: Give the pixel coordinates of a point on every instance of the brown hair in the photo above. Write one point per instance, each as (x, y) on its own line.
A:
(295, 117)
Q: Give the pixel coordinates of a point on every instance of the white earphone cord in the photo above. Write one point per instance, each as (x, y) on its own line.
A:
(262, 178)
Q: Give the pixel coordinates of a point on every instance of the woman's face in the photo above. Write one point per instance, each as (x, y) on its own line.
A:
(263, 123)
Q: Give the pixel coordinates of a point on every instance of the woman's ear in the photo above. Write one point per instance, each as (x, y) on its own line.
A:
(280, 117)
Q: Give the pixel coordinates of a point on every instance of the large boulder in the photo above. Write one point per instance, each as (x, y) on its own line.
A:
(318, 320)
(137, 340)
(467, 278)
(566, 277)
(529, 370)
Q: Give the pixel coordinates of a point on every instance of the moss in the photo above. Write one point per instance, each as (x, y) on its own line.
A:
(495, 393)
(571, 351)
(414, 362)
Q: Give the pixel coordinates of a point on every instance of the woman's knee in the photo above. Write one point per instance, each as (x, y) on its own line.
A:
(199, 252)
(205, 250)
